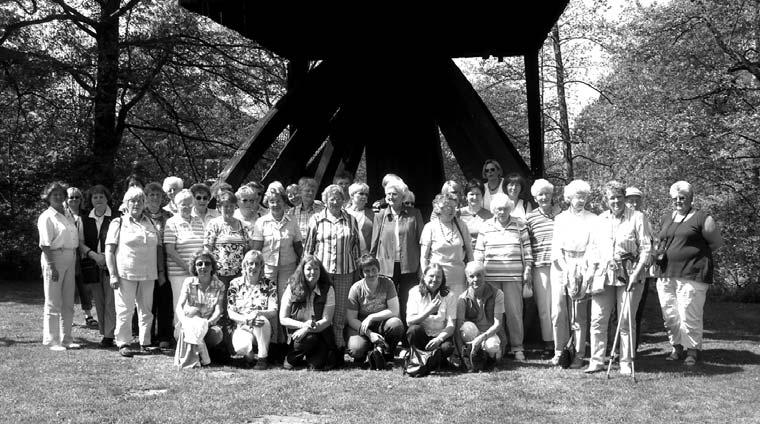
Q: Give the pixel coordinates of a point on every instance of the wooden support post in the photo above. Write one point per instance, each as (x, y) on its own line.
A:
(536, 133)
(470, 130)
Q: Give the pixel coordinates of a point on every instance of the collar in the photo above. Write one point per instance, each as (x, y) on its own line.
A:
(106, 213)
(322, 215)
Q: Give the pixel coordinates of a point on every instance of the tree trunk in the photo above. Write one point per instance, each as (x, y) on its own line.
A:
(105, 137)
(564, 123)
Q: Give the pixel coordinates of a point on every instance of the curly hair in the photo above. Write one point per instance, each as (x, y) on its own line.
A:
(443, 289)
(299, 287)
(206, 255)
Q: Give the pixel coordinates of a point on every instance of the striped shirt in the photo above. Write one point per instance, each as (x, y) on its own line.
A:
(541, 230)
(334, 240)
(301, 216)
(501, 250)
(187, 238)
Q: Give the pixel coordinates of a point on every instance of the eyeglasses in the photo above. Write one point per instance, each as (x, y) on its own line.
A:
(678, 199)
(490, 169)
(408, 203)
(201, 198)
(203, 263)
(362, 193)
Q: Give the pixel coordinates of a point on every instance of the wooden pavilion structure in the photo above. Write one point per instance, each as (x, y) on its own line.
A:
(385, 82)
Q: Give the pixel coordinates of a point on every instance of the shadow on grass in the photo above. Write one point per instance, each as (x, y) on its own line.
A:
(6, 342)
(24, 292)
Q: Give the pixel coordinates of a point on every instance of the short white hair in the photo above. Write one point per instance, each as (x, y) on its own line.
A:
(133, 193)
(541, 185)
(399, 185)
(175, 182)
(182, 195)
(474, 266)
(356, 188)
(575, 188)
(390, 177)
(501, 200)
(331, 190)
(681, 187)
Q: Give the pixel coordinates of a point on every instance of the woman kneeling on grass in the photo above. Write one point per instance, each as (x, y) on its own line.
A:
(307, 309)
(430, 312)
(372, 315)
(200, 304)
(252, 304)
(479, 310)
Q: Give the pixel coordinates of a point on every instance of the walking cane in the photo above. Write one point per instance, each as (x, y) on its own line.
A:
(626, 307)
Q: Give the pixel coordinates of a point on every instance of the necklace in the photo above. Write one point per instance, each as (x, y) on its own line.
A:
(488, 183)
(448, 232)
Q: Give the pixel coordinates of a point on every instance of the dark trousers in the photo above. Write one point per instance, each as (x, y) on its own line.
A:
(392, 330)
(83, 291)
(312, 349)
(417, 337)
(640, 310)
(404, 283)
(162, 329)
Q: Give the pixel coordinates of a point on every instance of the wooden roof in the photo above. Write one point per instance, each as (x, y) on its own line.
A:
(319, 30)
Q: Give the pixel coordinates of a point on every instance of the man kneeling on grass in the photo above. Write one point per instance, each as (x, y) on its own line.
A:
(479, 310)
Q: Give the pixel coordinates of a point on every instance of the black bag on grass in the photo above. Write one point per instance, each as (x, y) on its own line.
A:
(419, 363)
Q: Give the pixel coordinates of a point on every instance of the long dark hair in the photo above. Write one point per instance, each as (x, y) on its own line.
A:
(299, 287)
(443, 289)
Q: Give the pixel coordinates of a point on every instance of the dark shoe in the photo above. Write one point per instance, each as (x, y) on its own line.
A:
(376, 360)
(91, 322)
(261, 364)
(126, 352)
(107, 342)
(691, 358)
(675, 354)
(150, 350)
(165, 345)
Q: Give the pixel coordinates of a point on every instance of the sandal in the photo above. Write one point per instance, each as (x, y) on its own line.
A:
(675, 354)
(691, 358)
(91, 322)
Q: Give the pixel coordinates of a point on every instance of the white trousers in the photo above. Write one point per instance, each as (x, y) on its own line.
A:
(682, 302)
(243, 341)
(126, 296)
(542, 293)
(492, 345)
(602, 305)
(58, 312)
(559, 314)
(176, 282)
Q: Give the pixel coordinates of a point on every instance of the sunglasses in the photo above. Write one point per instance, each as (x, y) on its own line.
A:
(247, 200)
(408, 203)
(201, 197)
(490, 169)
(203, 263)
(75, 197)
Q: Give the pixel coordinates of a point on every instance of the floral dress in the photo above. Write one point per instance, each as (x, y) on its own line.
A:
(228, 244)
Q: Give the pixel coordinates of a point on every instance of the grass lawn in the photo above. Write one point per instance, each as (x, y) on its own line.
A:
(99, 386)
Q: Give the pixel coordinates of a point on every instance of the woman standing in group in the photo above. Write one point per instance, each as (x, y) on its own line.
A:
(515, 187)
(396, 234)
(620, 245)
(494, 183)
(333, 237)
(227, 239)
(200, 306)
(252, 306)
(306, 310)
(504, 248)
(446, 241)
(183, 238)
(202, 195)
(357, 207)
(92, 237)
(570, 241)
(689, 238)
(131, 257)
(474, 214)
(58, 240)
(163, 311)
(74, 205)
(541, 228)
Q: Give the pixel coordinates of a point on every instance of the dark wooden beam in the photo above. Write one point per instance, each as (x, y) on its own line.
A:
(293, 108)
(468, 126)
(535, 127)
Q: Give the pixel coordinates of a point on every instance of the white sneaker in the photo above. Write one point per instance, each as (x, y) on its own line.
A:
(57, 348)
(625, 368)
(73, 346)
(519, 356)
(555, 360)
(593, 367)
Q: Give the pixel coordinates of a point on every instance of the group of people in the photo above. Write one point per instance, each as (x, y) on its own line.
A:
(262, 273)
